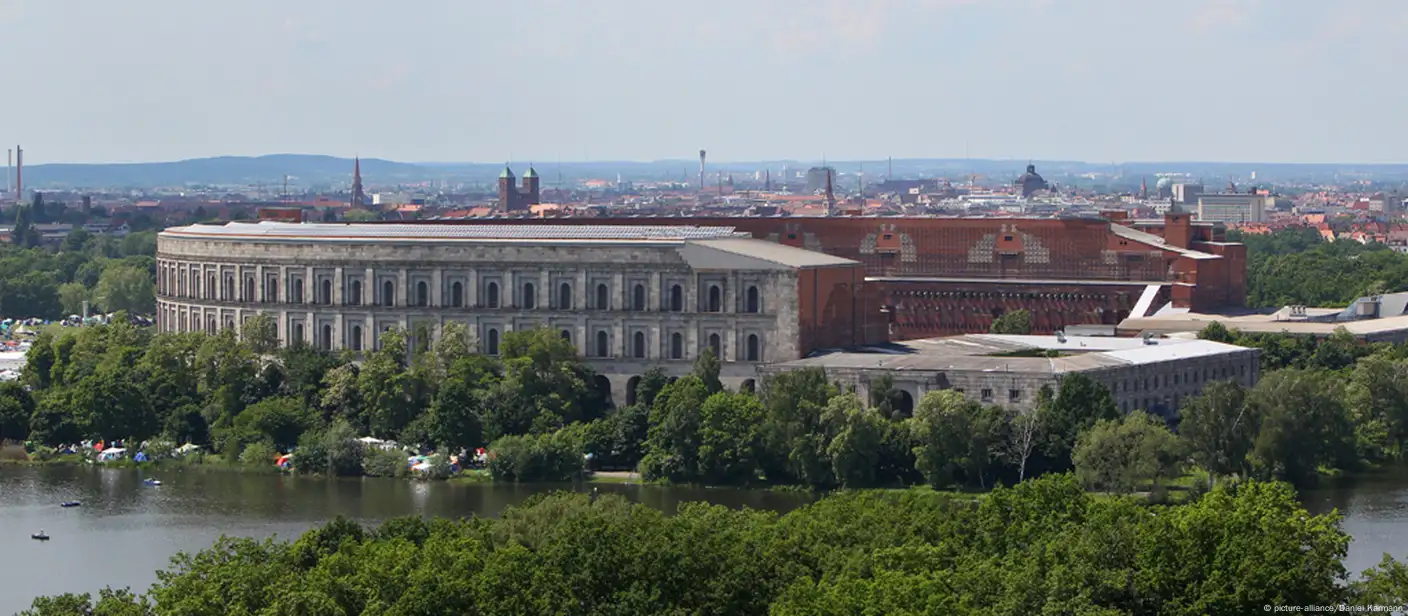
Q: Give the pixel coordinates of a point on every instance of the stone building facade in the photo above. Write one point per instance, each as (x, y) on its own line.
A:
(1155, 375)
(629, 298)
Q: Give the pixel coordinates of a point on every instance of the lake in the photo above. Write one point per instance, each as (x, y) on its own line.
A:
(125, 531)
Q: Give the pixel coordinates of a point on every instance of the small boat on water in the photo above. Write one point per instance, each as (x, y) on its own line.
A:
(39, 536)
(152, 482)
(70, 504)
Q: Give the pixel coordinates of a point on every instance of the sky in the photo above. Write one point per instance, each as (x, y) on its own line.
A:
(574, 80)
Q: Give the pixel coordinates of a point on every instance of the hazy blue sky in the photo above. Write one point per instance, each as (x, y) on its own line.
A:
(484, 80)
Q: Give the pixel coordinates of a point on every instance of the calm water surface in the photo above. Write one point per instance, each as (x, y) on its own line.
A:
(126, 531)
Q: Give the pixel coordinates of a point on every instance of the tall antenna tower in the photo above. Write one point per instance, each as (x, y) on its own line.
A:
(19, 174)
(701, 170)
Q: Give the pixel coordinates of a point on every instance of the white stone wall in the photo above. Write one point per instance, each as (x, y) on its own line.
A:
(341, 295)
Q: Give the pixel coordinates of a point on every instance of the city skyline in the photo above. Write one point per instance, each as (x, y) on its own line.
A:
(1214, 80)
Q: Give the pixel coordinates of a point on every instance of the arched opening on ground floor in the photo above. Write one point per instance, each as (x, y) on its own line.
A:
(631, 385)
(906, 404)
(749, 385)
(603, 385)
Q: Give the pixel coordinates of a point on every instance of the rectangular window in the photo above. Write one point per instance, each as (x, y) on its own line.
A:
(987, 395)
(1014, 396)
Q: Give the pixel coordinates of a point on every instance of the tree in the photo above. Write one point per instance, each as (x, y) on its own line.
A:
(1377, 400)
(261, 333)
(856, 450)
(34, 294)
(384, 388)
(672, 447)
(1302, 425)
(24, 234)
(124, 287)
(794, 436)
(73, 297)
(1025, 434)
(1077, 406)
(728, 438)
(1217, 332)
(1217, 429)
(16, 409)
(1123, 455)
(707, 367)
(1015, 322)
(276, 421)
(956, 439)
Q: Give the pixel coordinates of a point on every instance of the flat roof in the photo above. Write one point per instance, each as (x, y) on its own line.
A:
(362, 232)
(773, 252)
(992, 353)
(1264, 324)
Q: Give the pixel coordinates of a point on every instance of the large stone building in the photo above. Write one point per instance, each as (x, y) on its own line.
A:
(943, 276)
(629, 297)
(1154, 374)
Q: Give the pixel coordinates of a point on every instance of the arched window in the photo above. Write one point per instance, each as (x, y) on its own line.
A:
(638, 344)
(422, 294)
(752, 303)
(273, 291)
(716, 345)
(603, 344)
(326, 342)
(564, 297)
(210, 325)
(491, 295)
(754, 350)
(749, 385)
(676, 346)
(355, 297)
(356, 337)
(638, 297)
(297, 290)
(493, 339)
(677, 298)
(530, 296)
(297, 333)
(716, 298)
(457, 295)
(248, 290)
(210, 287)
(327, 293)
(603, 301)
(229, 289)
(388, 293)
(567, 335)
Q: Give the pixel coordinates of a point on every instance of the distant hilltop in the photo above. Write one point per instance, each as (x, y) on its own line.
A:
(314, 170)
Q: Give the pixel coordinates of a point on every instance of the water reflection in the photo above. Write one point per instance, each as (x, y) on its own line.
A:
(125, 530)
(1375, 512)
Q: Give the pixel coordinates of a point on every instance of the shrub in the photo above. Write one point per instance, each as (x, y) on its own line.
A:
(258, 454)
(382, 463)
(546, 457)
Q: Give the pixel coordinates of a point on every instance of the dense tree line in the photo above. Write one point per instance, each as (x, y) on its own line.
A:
(1296, 266)
(1042, 547)
(112, 274)
(1332, 405)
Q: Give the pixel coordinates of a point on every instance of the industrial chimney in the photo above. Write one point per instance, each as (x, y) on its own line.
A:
(701, 170)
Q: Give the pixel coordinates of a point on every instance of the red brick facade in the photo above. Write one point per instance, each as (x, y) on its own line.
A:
(940, 276)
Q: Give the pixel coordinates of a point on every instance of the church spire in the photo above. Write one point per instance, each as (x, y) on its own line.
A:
(359, 198)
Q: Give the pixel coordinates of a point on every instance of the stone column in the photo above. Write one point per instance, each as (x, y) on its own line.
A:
(619, 297)
(310, 287)
(579, 291)
(259, 282)
(339, 341)
(471, 288)
(544, 290)
(403, 289)
(508, 295)
(437, 287)
(369, 289)
(656, 295)
(338, 282)
(310, 329)
(283, 284)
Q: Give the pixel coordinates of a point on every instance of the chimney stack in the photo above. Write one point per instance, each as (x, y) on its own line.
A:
(19, 175)
(701, 170)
